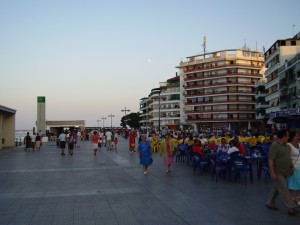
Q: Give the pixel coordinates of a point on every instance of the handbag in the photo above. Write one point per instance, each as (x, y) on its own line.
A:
(292, 169)
(292, 166)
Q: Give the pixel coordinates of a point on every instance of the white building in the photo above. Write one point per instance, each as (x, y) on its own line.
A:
(275, 57)
(163, 106)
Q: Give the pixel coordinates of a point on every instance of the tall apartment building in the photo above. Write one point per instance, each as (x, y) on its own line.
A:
(278, 86)
(162, 107)
(220, 88)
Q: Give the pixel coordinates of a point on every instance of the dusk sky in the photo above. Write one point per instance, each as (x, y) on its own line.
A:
(93, 58)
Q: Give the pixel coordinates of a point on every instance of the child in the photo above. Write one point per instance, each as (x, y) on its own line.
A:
(116, 142)
(95, 139)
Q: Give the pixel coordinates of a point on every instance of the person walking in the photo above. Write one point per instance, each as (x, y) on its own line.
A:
(27, 142)
(78, 139)
(95, 139)
(33, 141)
(116, 142)
(72, 142)
(145, 153)
(38, 142)
(293, 181)
(132, 141)
(166, 150)
(108, 136)
(62, 142)
(280, 163)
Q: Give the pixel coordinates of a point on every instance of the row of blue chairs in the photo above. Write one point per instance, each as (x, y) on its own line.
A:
(221, 164)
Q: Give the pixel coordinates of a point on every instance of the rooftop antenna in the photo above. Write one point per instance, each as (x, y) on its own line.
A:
(293, 30)
(204, 45)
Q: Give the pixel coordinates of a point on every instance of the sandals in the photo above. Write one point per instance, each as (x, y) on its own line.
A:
(292, 212)
(296, 201)
(271, 207)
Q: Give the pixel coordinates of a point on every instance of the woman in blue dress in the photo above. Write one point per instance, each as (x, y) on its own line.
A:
(145, 153)
(293, 181)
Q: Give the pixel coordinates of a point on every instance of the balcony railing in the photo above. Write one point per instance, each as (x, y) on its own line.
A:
(209, 66)
(223, 75)
(220, 84)
(250, 110)
(238, 92)
(213, 120)
(222, 102)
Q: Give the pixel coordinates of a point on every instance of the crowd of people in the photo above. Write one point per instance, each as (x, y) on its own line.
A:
(283, 158)
(283, 152)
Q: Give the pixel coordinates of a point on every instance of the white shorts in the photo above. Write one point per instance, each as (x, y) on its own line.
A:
(95, 146)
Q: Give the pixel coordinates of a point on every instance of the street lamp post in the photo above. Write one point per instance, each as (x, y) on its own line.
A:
(125, 110)
(98, 124)
(103, 118)
(111, 116)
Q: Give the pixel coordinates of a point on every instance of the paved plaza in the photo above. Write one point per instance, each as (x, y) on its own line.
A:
(41, 188)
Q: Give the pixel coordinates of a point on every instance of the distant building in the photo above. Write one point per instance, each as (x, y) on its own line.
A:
(7, 127)
(261, 103)
(143, 113)
(162, 108)
(220, 88)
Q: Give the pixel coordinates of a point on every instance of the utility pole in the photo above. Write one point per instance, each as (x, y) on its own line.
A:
(111, 116)
(98, 124)
(125, 110)
(103, 118)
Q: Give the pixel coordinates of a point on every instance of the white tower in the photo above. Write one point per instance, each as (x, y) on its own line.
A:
(41, 114)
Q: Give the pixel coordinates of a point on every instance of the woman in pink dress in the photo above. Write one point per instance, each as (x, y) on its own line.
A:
(166, 150)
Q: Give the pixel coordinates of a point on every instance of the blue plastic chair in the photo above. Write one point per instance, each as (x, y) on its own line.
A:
(189, 154)
(263, 168)
(200, 162)
(181, 154)
(219, 164)
(238, 166)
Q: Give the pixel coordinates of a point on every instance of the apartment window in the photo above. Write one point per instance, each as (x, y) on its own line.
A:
(200, 99)
(220, 107)
(220, 99)
(293, 43)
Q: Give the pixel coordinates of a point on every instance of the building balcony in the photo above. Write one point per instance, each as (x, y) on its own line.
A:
(220, 84)
(214, 67)
(221, 102)
(272, 96)
(272, 83)
(262, 105)
(216, 93)
(217, 120)
(223, 75)
(220, 111)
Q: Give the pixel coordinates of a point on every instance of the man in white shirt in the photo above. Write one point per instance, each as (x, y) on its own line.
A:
(108, 136)
(33, 136)
(78, 139)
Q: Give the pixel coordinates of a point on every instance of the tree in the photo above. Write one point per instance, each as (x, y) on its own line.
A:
(132, 120)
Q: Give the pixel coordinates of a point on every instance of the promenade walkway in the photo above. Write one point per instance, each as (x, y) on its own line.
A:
(41, 188)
